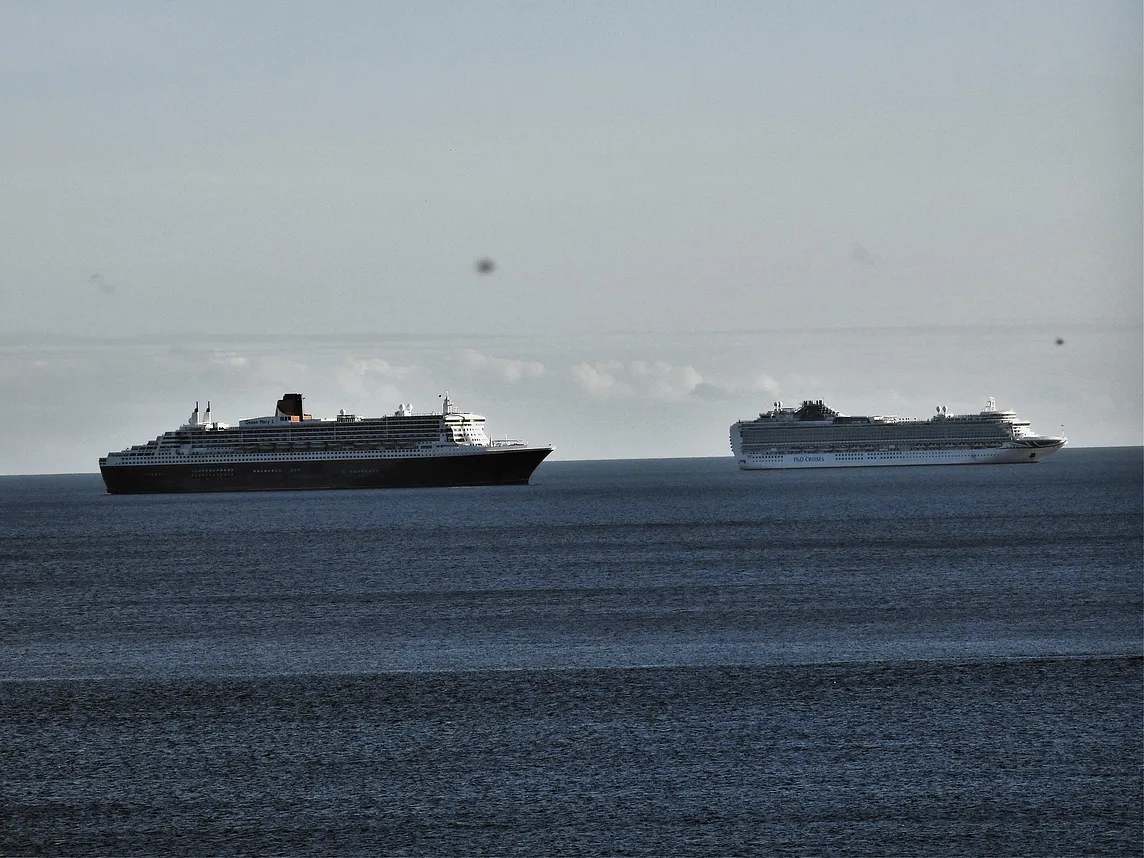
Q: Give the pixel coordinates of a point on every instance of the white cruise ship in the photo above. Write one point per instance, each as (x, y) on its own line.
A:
(816, 436)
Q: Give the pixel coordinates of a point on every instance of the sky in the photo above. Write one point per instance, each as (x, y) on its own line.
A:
(694, 209)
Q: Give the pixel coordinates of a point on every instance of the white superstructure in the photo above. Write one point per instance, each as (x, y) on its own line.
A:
(815, 436)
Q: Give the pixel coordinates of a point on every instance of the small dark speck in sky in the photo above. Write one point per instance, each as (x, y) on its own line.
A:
(1060, 341)
(485, 266)
(863, 256)
(100, 282)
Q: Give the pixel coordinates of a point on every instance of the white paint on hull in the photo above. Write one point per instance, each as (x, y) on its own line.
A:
(889, 458)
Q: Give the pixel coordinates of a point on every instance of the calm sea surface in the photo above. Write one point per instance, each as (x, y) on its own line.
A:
(650, 658)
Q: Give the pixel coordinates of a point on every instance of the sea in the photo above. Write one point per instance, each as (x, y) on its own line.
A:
(623, 658)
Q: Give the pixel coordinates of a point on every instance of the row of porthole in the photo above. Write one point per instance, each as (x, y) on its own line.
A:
(296, 459)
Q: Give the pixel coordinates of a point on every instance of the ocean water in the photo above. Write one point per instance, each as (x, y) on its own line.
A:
(649, 658)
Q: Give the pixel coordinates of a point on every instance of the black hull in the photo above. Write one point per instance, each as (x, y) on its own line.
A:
(499, 468)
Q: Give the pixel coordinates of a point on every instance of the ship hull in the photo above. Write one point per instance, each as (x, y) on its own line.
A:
(488, 468)
(890, 458)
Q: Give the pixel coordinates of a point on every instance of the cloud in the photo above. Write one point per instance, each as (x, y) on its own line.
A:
(765, 382)
(658, 380)
(375, 367)
(368, 380)
(512, 371)
(230, 359)
(247, 369)
(662, 380)
(712, 392)
(599, 379)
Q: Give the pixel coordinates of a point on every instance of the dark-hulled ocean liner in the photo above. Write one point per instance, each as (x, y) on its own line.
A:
(294, 450)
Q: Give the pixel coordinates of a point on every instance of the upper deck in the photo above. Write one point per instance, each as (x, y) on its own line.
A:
(291, 430)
